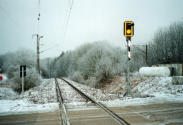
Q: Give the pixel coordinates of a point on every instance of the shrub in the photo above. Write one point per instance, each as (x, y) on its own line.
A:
(76, 76)
(31, 80)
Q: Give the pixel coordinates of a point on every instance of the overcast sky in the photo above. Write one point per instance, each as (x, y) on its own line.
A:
(90, 20)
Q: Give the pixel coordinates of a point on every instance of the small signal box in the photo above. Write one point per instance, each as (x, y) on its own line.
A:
(128, 28)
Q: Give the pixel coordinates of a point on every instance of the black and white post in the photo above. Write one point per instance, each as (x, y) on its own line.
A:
(128, 33)
(128, 40)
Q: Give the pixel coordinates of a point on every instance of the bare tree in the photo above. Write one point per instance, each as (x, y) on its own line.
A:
(167, 45)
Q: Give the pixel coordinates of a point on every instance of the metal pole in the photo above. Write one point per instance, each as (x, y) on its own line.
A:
(128, 88)
(22, 79)
(38, 54)
(49, 67)
(146, 54)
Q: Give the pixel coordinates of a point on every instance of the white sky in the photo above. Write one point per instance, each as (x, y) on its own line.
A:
(90, 20)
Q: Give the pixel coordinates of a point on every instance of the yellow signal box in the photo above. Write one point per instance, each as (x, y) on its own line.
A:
(128, 28)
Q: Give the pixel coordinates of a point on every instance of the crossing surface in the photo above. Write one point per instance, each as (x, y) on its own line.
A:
(169, 114)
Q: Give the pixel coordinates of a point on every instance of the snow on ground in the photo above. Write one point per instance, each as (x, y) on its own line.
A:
(43, 98)
(152, 91)
(144, 101)
(158, 86)
(7, 93)
(38, 99)
(8, 107)
(44, 93)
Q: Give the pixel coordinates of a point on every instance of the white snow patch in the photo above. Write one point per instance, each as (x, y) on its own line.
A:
(44, 93)
(8, 107)
(158, 86)
(144, 101)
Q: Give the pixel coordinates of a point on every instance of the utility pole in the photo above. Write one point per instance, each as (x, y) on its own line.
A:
(38, 52)
(38, 55)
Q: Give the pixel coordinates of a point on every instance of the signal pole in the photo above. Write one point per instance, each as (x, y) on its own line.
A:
(128, 89)
(128, 33)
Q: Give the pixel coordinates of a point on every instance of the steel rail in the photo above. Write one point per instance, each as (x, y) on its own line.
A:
(65, 119)
(111, 113)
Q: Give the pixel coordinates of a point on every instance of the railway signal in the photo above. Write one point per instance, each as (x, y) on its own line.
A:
(128, 28)
(128, 33)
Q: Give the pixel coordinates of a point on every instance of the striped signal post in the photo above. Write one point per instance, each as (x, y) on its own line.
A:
(128, 33)
(128, 40)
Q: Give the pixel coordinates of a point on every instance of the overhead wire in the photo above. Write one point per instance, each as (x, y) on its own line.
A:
(67, 18)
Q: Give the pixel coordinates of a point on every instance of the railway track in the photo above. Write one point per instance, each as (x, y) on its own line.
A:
(64, 116)
(65, 120)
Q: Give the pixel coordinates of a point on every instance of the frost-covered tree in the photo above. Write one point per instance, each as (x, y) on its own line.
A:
(12, 61)
(11, 65)
(94, 63)
(167, 45)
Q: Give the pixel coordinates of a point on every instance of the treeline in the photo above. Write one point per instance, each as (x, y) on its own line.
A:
(167, 45)
(93, 63)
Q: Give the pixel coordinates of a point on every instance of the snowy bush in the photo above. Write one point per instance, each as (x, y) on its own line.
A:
(12, 61)
(76, 76)
(32, 79)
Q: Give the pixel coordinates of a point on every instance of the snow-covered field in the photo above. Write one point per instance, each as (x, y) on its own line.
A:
(152, 91)
(8, 107)
(158, 86)
(37, 99)
(43, 98)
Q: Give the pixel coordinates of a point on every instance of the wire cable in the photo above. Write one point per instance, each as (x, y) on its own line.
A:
(67, 20)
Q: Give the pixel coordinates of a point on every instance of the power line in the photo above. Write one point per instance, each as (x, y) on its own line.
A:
(67, 20)
(48, 48)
